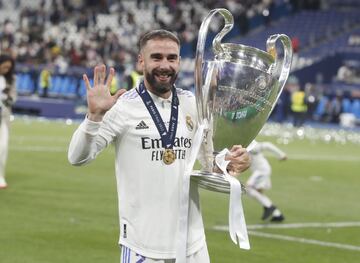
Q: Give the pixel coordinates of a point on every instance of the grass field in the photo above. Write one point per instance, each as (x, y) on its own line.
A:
(53, 212)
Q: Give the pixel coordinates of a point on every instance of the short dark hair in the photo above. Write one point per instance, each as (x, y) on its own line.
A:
(157, 34)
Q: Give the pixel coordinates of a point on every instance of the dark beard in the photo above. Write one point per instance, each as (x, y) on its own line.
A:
(161, 88)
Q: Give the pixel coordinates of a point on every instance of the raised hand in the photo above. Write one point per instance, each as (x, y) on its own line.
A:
(98, 97)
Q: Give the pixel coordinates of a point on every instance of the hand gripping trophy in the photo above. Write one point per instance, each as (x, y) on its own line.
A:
(236, 91)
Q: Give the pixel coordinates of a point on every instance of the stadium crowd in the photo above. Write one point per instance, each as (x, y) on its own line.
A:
(85, 33)
(68, 38)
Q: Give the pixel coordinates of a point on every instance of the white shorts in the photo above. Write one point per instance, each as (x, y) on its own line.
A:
(259, 180)
(129, 256)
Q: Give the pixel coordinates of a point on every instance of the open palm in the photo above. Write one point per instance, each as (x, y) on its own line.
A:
(99, 98)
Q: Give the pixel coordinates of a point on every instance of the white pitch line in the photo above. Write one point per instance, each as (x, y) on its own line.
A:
(298, 239)
(308, 157)
(305, 240)
(295, 225)
(46, 149)
(39, 138)
(37, 149)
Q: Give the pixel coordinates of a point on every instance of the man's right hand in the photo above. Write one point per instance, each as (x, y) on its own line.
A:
(99, 98)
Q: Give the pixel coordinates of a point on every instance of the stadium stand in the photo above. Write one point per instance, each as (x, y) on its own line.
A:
(70, 37)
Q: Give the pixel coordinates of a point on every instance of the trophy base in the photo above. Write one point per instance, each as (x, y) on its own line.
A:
(213, 181)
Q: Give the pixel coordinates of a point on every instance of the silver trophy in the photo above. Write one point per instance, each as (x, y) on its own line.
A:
(236, 90)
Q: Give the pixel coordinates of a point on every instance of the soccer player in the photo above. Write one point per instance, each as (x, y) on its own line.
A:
(260, 180)
(7, 97)
(152, 127)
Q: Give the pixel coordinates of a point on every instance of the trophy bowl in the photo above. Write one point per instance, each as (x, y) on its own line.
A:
(236, 91)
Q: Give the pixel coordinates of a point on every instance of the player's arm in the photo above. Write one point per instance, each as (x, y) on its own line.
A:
(98, 129)
(274, 150)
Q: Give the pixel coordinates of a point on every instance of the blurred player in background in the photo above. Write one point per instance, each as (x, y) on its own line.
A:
(149, 166)
(133, 79)
(7, 99)
(260, 180)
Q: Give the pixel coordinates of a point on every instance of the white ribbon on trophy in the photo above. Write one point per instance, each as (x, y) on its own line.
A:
(237, 225)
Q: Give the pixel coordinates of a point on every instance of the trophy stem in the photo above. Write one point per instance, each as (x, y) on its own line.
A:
(213, 182)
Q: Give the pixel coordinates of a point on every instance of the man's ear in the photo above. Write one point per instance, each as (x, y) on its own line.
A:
(141, 60)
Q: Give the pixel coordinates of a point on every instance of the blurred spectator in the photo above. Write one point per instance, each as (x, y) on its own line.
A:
(354, 40)
(133, 79)
(295, 42)
(311, 99)
(298, 106)
(7, 99)
(344, 73)
(45, 82)
(333, 108)
(349, 72)
(291, 85)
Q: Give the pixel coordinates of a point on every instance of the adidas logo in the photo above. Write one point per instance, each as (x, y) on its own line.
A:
(142, 125)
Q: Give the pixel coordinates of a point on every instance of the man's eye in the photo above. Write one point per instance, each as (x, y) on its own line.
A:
(156, 57)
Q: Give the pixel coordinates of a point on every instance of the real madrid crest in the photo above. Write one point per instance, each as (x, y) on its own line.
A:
(169, 156)
(189, 123)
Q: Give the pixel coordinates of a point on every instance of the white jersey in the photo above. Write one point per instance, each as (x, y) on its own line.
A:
(258, 161)
(148, 189)
(2, 87)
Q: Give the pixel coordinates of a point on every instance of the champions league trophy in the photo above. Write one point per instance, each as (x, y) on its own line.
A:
(236, 91)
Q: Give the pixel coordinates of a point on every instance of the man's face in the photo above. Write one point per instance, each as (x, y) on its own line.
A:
(160, 60)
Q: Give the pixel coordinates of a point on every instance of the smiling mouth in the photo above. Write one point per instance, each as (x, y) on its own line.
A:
(163, 77)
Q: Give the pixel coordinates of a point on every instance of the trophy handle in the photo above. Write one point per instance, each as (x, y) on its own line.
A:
(229, 23)
(286, 62)
(199, 58)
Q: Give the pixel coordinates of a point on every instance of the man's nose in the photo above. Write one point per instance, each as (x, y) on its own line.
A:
(164, 64)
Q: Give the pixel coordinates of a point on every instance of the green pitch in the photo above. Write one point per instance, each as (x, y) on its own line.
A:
(53, 212)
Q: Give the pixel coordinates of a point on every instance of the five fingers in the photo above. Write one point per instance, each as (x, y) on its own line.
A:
(99, 77)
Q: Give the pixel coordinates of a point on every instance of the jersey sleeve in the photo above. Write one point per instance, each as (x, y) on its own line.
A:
(273, 149)
(90, 138)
